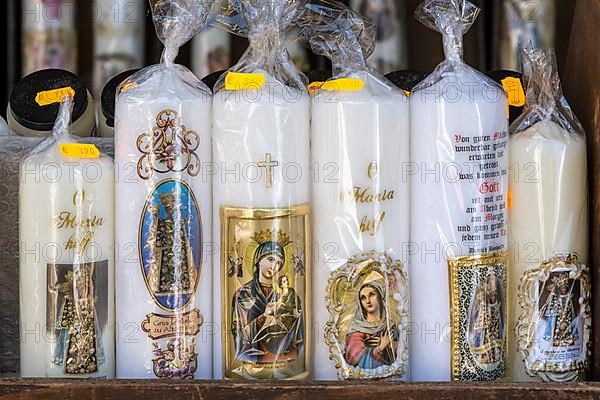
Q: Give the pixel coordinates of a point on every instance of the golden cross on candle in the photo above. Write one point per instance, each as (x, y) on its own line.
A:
(268, 164)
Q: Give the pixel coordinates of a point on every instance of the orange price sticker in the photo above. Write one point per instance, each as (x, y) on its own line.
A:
(79, 150)
(48, 97)
(244, 81)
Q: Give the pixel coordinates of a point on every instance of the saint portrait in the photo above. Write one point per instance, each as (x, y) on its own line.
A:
(370, 340)
(368, 303)
(267, 321)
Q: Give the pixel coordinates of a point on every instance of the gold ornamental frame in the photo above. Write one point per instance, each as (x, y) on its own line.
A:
(528, 296)
(226, 215)
(383, 264)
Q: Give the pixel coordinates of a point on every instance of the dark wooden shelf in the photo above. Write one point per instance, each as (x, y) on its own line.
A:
(28, 389)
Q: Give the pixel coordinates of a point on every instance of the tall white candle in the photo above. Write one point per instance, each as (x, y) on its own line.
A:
(67, 262)
(458, 205)
(163, 213)
(163, 198)
(361, 211)
(119, 28)
(548, 225)
(49, 35)
(261, 215)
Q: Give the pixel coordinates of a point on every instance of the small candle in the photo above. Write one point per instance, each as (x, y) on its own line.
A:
(67, 261)
(261, 215)
(119, 31)
(49, 39)
(550, 284)
(33, 106)
(458, 204)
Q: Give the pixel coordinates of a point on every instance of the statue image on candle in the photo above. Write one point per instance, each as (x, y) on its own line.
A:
(262, 217)
(550, 280)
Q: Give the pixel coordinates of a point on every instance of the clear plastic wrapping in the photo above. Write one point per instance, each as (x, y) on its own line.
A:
(359, 142)
(66, 274)
(162, 150)
(262, 289)
(459, 193)
(550, 280)
(524, 22)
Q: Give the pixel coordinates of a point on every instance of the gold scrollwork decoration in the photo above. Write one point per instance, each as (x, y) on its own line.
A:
(170, 147)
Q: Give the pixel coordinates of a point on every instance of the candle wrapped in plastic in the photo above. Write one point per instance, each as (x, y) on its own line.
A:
(459, 187)
(550, 281)
(261, 147)
(359, 145)
(163, 208)
(66, 273)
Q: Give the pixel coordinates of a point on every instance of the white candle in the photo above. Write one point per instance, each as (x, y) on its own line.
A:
(459, 133)
(360, 205)
(67, 264)
(119, 27)
(261, 195)
(548, 220)
(163, 214)
(452, 215)
(49, 35)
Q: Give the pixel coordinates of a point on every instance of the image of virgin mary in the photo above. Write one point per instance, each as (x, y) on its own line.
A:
(370, 341)
(267, 324)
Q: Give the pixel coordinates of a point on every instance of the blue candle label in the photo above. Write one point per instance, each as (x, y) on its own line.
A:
(554, 328)
(478, 317)
(170, 241)
(368, 304)
(266, 292)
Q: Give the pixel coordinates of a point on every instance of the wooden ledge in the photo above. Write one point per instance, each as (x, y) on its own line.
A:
(27, 389)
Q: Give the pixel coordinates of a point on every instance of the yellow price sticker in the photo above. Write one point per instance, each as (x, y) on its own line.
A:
(514, 91)
(48, 97)
(343, 84)
(127, 86)
(510, 199)
(244, 81)
(79, 150)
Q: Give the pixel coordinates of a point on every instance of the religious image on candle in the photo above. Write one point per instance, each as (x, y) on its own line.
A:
(162, 145)
(550, 279)
(459, 194)
(367, 313)
(67, 262)
(261, 128)
(359, 136)
(265, 289)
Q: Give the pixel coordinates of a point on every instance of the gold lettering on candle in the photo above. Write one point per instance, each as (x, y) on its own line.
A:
(372, 225)
(269, 165)
(373, 171)
(159, 326)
